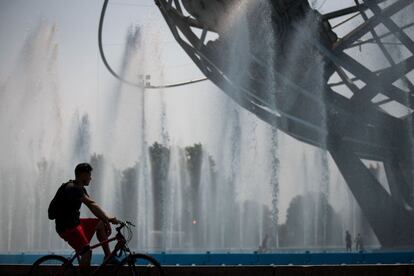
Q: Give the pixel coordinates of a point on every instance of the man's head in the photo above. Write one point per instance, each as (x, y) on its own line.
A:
(83, 173)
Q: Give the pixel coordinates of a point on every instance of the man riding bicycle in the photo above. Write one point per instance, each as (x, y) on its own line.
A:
(65, 210)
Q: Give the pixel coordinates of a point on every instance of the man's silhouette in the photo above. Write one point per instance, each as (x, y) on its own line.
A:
(65, 210)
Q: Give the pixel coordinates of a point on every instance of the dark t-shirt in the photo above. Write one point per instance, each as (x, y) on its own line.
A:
(67, 205)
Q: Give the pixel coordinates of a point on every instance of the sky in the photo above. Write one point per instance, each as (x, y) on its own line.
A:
(77, 23)
(81, 70)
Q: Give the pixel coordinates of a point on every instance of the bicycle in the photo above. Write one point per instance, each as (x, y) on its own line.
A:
(136, 263)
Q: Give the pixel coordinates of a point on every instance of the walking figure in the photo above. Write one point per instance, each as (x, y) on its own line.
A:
(359, 244)
(348, 241)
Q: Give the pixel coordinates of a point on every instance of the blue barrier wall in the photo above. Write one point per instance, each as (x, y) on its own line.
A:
(251, 259)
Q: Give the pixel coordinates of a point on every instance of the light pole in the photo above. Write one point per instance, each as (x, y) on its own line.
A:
(144, 80)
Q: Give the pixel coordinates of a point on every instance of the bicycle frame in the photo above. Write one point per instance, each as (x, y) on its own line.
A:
(121, 244)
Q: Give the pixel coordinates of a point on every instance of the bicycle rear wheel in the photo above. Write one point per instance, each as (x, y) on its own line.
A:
(139, 264)
(52, 265)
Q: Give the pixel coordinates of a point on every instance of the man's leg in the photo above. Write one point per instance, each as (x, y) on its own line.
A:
(77, 240)
(102, 235)
(94, 225)
(85, 261)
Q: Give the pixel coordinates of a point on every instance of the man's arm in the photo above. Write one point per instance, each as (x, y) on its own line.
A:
(97, 211)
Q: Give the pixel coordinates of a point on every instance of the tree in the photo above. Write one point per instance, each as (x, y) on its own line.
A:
(160, 159)
(311, 221)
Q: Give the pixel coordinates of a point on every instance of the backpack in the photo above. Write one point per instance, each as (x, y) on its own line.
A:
(53, 206)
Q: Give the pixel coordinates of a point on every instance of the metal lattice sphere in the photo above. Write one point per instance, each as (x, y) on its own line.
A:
(338, 80)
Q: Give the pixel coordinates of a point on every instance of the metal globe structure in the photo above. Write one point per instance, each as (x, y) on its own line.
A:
(351, 128)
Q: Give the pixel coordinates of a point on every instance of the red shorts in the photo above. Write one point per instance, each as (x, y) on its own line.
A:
(80, 236)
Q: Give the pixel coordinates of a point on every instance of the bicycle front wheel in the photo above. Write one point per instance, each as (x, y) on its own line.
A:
(52, 265)
(139, 264)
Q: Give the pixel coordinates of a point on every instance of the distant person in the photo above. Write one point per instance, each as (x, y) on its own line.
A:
(348, 241)
(359, 244)
(78, 232)
(263, 246)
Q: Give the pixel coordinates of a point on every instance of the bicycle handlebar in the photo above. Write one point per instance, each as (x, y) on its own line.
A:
(123, 224)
